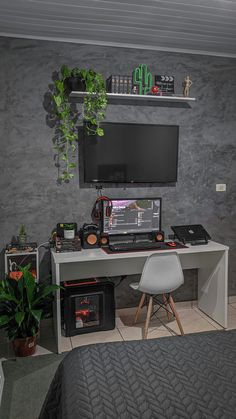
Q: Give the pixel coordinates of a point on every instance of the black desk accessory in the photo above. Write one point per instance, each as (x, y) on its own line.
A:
(194, 234)
(90, 236)
(139, 246)
(67, 245)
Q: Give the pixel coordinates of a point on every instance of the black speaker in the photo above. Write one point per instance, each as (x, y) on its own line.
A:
(104, 239)
(158, 236)
(90, 236)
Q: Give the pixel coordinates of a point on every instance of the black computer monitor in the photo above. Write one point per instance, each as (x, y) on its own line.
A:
(132, 216)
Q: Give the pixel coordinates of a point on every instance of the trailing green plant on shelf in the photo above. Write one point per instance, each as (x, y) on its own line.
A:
(68, 118)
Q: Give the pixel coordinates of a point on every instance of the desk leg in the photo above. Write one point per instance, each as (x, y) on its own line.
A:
(57, 307)
(213, 286)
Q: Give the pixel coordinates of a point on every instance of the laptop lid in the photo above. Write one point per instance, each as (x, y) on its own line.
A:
(191, 233)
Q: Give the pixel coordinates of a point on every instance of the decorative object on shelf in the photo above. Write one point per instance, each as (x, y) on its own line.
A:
(66, 238)
(119, 84)
(155, 90)
(17, 248)
(23, 304)
(165, 83)
(66, 230)
(135, 90)
(16, 256)
(67, 118)
(142, 78)
(187, 84)
(22, 235)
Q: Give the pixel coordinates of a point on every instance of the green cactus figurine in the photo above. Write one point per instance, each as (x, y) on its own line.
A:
(142, 78)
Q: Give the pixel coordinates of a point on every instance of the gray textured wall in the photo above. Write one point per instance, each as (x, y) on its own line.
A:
(29, 192)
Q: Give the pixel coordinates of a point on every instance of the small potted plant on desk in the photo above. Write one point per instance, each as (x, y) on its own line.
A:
(23, 303)
(22, 235)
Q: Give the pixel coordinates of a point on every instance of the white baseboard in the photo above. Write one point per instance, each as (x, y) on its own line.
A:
(1, 381)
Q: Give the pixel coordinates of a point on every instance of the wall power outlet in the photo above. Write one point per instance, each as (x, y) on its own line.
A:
(220, 187)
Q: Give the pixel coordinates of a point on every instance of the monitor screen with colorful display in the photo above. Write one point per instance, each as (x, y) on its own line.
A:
(132, 216)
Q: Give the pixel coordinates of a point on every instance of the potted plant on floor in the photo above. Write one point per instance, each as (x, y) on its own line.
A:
(23, 303)
(67, 118)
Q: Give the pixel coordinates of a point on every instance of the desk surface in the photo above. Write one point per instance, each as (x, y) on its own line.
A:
(86, 255)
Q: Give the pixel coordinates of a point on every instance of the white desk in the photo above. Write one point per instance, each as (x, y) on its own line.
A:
(211, 260)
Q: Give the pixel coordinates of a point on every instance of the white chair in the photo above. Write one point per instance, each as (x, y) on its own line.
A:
(162, 274)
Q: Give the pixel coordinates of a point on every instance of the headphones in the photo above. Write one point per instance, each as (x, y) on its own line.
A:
(96, 213)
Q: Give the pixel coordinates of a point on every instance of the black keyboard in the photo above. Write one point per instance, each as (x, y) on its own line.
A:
(124, 247)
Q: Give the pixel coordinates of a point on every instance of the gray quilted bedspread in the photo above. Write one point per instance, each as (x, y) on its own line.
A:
(175, 377)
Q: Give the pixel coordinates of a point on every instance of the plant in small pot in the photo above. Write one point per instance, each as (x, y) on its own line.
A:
(67, 117)
(23, 303)
(22, 235)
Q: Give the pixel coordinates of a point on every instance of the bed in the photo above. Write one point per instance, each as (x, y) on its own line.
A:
(193, 376)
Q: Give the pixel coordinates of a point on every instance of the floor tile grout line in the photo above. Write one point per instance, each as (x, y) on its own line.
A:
(205, 317)
(120, 334)
(71, 343)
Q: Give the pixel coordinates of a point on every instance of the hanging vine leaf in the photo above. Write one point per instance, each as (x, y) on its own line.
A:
(67, 118)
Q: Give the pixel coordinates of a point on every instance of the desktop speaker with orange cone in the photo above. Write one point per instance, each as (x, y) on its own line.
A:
(104, 239)
(158, 236)
(90, 236)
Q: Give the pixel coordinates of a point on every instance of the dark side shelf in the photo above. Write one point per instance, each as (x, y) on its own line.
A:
(141, 100)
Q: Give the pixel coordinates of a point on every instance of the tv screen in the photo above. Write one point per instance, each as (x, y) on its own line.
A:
(132, 153)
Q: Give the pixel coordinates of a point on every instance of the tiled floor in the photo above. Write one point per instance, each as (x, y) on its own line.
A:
(193, 321)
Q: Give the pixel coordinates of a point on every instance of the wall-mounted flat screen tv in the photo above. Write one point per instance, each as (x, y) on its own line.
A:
(131, 153)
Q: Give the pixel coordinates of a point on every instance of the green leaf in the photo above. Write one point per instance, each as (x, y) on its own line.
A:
(19, 317)
(8, 297)
(29, 283)
(4, 319)
(65, 71)
(100, 132)
(73, 147)
(49, 289)
(37, 314)
(59, 86)
(57, 100)
(20, 285)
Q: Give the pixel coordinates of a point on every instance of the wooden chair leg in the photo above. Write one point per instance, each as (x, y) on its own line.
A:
(172, 304)
(149, 312)
(141, 302)
(166, 304)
